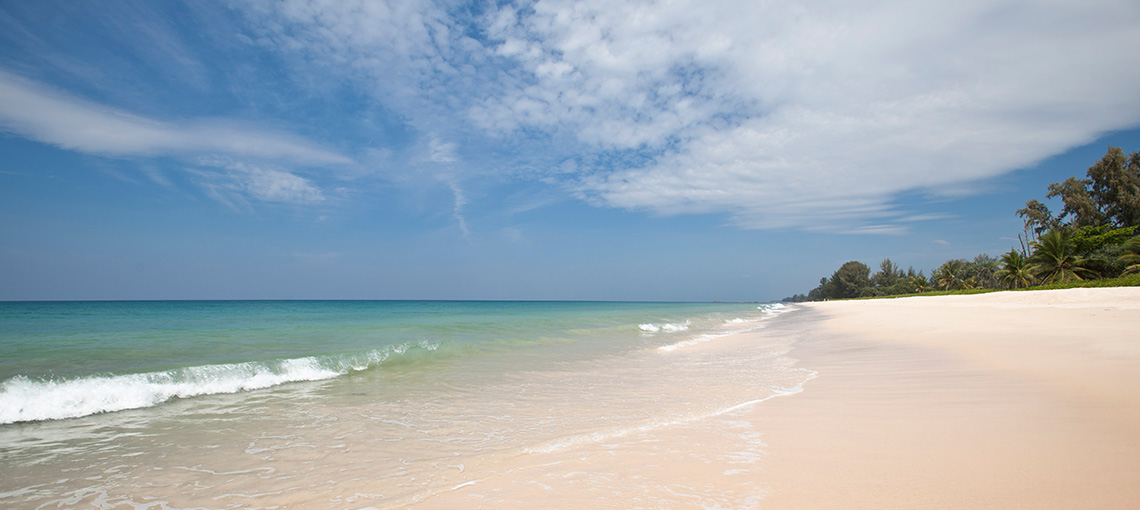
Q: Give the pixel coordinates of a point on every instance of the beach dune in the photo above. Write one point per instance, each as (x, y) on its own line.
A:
(1002, 400)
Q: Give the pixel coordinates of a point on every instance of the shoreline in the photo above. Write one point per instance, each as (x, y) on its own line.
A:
(1000, 400)
(1016, 400)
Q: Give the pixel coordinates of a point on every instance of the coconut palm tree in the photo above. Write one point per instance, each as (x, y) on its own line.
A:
(1055, 258)
(1015, 271)
(951, 275)
(917, 283)
(970, 283)
(1131, 257)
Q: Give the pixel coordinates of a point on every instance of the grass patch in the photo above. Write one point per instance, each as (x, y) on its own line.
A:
(1132, 280)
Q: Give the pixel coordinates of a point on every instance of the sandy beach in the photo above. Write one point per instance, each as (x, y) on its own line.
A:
(1003, 400)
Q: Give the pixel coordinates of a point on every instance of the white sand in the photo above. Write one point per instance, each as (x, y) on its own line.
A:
(1008, 400)
(1004, 400)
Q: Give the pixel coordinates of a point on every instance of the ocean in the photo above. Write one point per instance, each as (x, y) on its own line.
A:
(378, 404)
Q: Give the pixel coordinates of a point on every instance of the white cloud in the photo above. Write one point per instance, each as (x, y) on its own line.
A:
(273, 185)
(925, 217)
(233, 183)
(157, 176)
(815, 115)
(411, 53)
(810, 115)
(441, 152)
(457, 210)
(32, 110)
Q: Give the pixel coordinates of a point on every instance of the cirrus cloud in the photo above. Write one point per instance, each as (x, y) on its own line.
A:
(810, 115)
(32, 110)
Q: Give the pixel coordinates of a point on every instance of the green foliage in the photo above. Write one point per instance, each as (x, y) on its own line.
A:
(1015, 271)
(1038, 218)
(1090, 238)
(1080, 208)
(1114, 185)
(916, 283)
(951, 275)
(982, 271)
(888, 274)
(890, 279)
(852, 279)
(1131, 280)
(1055, 258)
(1130, 259)
(1109, 196)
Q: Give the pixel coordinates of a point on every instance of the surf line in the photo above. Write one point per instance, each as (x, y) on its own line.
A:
(597, 437)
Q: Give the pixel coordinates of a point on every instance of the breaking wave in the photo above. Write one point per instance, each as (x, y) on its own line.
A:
(25, 399)
(665, 327)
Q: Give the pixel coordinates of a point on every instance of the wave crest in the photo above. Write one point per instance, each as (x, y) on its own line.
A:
(25, 399)
(667, 327)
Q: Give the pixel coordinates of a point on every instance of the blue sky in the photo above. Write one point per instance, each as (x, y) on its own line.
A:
(678, 150)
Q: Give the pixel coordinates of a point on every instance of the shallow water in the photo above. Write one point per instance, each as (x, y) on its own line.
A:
(517, 387)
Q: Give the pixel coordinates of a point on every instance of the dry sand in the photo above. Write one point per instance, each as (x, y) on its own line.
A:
(1004, 400)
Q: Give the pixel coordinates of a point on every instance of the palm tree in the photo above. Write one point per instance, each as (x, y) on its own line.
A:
(917, 283)
(1055, 258)
(1131, 257)
(950, 275)
(970, 283)
(1015, 271)
(984, 270)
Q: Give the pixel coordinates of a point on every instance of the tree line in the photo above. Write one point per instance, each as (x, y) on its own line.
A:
(1093, 236)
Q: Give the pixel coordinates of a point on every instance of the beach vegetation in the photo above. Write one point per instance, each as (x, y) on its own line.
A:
(891, 279)
(852, 279)
(1055, 258)
(1109, 195)
(982, 271)
(1130, 259)
(888, 274)
(1092, 241)
(1129, 280)
(917, 283)
(1015, 272)
(951, 275)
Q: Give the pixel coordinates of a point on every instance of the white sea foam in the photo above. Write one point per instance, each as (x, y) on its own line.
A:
(25, 399)
(774, 308)
(733, 326)
(665, 327)
(694, 341)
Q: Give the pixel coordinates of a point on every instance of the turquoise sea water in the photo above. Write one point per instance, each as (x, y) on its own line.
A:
(72, 359)
(385, 404)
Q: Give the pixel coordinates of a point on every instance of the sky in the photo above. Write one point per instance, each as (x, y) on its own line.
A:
(596, 149)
